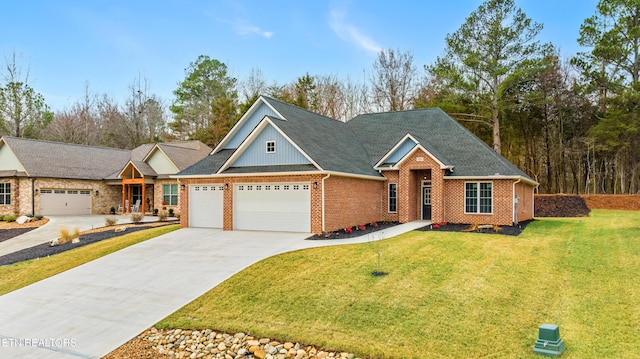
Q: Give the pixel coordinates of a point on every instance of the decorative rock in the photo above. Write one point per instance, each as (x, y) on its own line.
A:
(208, 344)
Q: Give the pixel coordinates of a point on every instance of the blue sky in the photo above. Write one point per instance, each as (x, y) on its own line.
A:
(107, 44)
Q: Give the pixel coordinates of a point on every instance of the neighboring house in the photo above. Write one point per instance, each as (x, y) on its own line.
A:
(282, 168)
(52, 178)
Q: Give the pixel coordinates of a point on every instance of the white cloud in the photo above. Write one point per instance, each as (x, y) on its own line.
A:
(350, 33)
(247, 29)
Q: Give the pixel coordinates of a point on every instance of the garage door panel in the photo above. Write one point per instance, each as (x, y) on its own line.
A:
(65, 202)
(272, 207)
(206, 206)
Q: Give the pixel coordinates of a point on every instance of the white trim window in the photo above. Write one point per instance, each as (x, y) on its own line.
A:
(170, 194)
(5, 193)
(393, 198)
(478, 197)
(271, 146)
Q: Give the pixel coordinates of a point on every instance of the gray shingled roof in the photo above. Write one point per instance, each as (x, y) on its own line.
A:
(330, 143)
(356, 146)
(63, 160)
(185, 153)
(439, 134)
(208, 165)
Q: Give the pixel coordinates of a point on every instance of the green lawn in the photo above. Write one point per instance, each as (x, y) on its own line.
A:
(22, 274)
(446, 294)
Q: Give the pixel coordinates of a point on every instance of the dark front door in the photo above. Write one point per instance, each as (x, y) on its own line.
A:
(426, 202)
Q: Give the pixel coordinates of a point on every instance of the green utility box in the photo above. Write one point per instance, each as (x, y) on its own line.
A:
(549, 343)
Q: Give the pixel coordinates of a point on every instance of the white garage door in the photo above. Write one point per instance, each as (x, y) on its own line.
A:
(58, 202)
(206, 206)
(272, 207)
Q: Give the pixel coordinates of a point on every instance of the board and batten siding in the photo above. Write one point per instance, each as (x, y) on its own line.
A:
(249, 125)
(256, 154)
(401, 151)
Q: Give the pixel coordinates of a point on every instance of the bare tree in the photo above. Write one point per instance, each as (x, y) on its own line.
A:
(394, 80)
(78, 124)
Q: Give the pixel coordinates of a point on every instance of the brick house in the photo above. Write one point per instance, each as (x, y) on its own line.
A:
(283, 168)
(53, 178)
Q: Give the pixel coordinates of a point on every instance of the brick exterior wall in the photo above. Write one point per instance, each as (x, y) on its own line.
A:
(21, 199)
(392, 177)
(316, 196)
(502, 203)
(352, 201)
(412, 172)
(525, 206)
(158, 196)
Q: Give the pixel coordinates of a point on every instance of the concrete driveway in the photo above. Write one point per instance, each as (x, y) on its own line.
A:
(51, 230)
(90, 310)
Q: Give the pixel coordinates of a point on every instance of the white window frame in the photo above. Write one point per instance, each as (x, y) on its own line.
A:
(395, 198)
(271, 147)
(170, 195)
(5, 193)
(478, 197)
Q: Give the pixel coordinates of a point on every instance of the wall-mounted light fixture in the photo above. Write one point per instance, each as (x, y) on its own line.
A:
(315, 185)
(182, 187)
(226, 186)
(97, 193)
(37, 190)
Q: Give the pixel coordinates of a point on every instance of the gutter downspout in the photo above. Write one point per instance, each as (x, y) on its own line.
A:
(33, 196)
(323, 214)
(514, 213)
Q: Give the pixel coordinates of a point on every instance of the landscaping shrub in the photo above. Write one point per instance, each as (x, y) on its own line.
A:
(65, 236)
(136, 217)
(162, 216)
(10, 218)
(110, 221)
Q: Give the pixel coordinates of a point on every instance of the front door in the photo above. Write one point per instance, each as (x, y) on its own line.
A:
(426, 201)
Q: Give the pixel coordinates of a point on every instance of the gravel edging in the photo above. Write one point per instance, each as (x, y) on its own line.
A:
(45, 249)
(178, 343)
(9, 233)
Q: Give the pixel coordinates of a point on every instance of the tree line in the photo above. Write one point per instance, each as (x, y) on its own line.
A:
(571, 124)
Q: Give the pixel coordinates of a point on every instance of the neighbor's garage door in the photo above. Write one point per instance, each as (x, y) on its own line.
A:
(272, 207)
(65, 202)
(206, 206)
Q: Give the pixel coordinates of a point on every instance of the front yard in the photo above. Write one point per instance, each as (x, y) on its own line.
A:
(446, 294)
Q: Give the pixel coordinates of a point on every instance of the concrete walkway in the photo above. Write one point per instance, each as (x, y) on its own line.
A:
(51, 230)
(89, 311)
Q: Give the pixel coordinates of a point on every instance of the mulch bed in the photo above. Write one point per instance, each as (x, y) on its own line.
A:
(45, 249)
(459, 227)
(355, 231)
(12, 232)
(560, 206)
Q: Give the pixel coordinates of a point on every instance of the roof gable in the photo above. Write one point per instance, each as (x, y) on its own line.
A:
(255, 153)
(247, 123)
(398, 151)
(8, 159)
(160, 162)
(440, 135)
